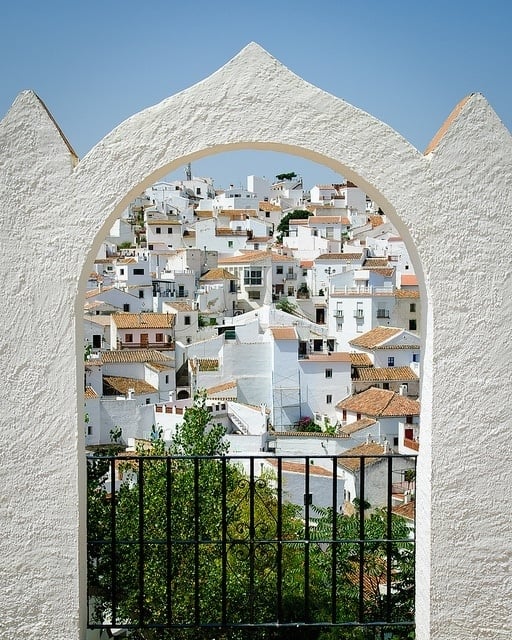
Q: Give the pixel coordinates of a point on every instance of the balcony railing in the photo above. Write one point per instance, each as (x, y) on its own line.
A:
(159, 346)
(259, 544)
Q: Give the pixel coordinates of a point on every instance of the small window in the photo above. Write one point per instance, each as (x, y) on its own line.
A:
(138, 272)
(328, 399)
(254, 295)
(408, 419)
(158, 230)
(96, 341)
(198, 191)
(159, 337)
(166, 379)
(230, 244)
(128, 337)
(186, 319)
(395, 441)
(415, 357)
(141, 293)
(412, 325)
(385, 385)
(358, 416)
(121, 272)
(126, 306)
(148, 400)
(328, 373)
(279, 270)
(169, 229)
(267, 214)
(89, 430)
(412, 307)
(391, 361)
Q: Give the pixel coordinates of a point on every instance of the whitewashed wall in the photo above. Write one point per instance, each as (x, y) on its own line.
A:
(464, 499)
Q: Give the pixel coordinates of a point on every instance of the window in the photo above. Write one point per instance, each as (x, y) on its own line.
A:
(291, 291)
(395, 441)
(138, 272)
(96, 341)
(385, 385)
(141, 293)
(169, 229)
(328, 373)
(166, 379)
(252, 276)
(148, 400)
(128, 337)
(230, 244)
(126, 306)
(415, 357)
(382, 313)
(159, 337)
(408, 419)
(254, 295)
(256, 246)
(186, 319)
(412, 307)
(89, 430)
(198, 191)
(391, 361)
(158, 230)
(328, 399)
(267, 214)
(330, 344)
(412, 325)
(304, 273)
(344, 415)
(358, 416)
(121, 272)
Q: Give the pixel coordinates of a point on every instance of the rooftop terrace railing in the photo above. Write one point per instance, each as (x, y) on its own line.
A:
(248, 547)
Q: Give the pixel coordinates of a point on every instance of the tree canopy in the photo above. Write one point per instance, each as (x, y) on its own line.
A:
(286, 176)
(200, 540)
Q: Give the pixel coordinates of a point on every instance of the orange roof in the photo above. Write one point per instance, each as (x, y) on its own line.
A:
(284, 333)
(376, 374)
(218, 274)
(380, 403)
(333, 356)
(367, 449)
(408, 280)
(375, 337)
(146, 320)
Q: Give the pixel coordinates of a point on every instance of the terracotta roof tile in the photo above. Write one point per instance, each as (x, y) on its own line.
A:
(353, 427)
(380, 403)
(284, 333)
(408, 280)
(122, 385)
(349, 257)
(298, 467)
(385, 374)
(219, 388)
(333, 356)
(360, 360)
(143, 320)
(405, 510)
(208, 364)
(135, 355)
(218, 274)
(354, 463)
(89, 393)
(375, 337)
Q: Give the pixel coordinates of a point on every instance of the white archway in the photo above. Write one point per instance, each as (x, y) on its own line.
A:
(254, 102)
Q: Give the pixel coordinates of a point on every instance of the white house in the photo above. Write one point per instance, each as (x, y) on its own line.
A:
(142, 331)
(389, 347)
(385, 407)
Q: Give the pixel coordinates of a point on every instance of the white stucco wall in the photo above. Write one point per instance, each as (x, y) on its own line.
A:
(464, 525)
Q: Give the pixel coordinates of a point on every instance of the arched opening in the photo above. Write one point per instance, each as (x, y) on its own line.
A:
(382, 205)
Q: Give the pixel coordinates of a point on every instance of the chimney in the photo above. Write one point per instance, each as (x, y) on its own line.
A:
(130, 394)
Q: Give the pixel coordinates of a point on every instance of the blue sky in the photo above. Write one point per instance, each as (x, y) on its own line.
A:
(404, 61)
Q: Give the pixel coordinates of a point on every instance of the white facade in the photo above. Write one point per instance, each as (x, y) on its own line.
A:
(43, 587)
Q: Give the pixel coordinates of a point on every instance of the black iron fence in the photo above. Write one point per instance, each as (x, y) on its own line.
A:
(251, 546)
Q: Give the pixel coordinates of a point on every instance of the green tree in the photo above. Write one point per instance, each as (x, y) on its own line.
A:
(284, 224)
(286, 176)
(191, 491)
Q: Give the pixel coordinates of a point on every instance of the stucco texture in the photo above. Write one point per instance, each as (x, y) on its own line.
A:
(451, 206)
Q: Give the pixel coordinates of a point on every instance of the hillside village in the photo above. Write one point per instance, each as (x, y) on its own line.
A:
(304, 336)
